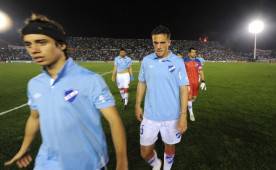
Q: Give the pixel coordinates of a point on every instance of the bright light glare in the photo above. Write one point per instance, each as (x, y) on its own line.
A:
(256, 27)
(5, 22)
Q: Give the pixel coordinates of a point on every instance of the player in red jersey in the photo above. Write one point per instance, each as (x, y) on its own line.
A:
(195, 75)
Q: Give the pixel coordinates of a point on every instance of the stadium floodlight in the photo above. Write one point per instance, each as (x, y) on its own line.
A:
(5, 22)
(256, 27)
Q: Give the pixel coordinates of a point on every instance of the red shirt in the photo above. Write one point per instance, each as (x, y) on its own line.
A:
(193, 66)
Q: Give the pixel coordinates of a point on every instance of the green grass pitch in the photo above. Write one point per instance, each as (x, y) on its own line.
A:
(235, 118)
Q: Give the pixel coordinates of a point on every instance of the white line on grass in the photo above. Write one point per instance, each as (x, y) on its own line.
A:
(18, 107)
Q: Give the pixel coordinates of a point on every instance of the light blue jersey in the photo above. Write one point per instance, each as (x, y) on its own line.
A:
(163, 78)
(122, 63)
(70, 121)
(202, 61)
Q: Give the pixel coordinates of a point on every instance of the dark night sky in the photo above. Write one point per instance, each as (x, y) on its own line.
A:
(225, 21)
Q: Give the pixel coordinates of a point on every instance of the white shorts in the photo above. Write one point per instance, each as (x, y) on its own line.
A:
(123, 80)
(149, 132)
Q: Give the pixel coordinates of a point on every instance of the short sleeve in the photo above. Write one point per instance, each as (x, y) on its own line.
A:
(199, 66)
(141, 76)
(31, 102)
(101, 96)
(182, 74)
(129, 62)
(115, 61)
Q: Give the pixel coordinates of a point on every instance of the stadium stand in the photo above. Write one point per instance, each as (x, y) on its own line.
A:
(105, 49)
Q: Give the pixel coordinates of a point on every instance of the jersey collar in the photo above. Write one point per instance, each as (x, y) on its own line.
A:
(64, 70)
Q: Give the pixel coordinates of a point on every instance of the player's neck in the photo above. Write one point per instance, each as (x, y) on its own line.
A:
(55, 67)
(165, 55)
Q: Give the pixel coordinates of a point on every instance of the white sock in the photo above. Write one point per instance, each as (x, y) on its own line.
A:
(168, 161)
(190, 106)
(154, 160)
(126, 98)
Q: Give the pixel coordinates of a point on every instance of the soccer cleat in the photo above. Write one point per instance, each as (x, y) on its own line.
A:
(158, 165)
(192, 117)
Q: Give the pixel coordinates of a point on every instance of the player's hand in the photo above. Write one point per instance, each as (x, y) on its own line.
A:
(182, 123)
(139, 113)
(22, 159)
(113, 78)
(203, 86)
(131, 78)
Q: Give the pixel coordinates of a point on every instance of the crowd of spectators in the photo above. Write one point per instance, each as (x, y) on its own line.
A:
(9, 54)
(106, 49)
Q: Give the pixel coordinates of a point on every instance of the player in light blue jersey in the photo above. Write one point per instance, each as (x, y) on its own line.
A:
(122, 73)
(66, 102)
(164, 80)
(201, 59)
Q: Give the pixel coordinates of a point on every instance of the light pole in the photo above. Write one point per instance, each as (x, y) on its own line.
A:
(256, 27)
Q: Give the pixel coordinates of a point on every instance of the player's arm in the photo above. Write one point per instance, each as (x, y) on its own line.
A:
(118, 136)
(114, 73)
(182, 122)
(141, 88)
(130, 73)
(201, 74)
(22, 158)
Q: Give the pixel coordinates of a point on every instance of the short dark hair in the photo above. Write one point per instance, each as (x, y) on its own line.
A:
(161, 29)
(191, 48)
(122, 49)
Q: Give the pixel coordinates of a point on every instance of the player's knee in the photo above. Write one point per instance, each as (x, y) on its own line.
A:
(170, 149)
(146, 154)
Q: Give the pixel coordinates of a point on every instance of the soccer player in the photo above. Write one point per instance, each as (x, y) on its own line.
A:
(164, 80)
(66, 102)
(122, 72)
(195, 75)
(201, 59)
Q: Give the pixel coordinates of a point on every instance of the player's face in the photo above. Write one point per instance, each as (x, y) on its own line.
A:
(192, 54)
(161, 44)
(122, 53)
(43, 49)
